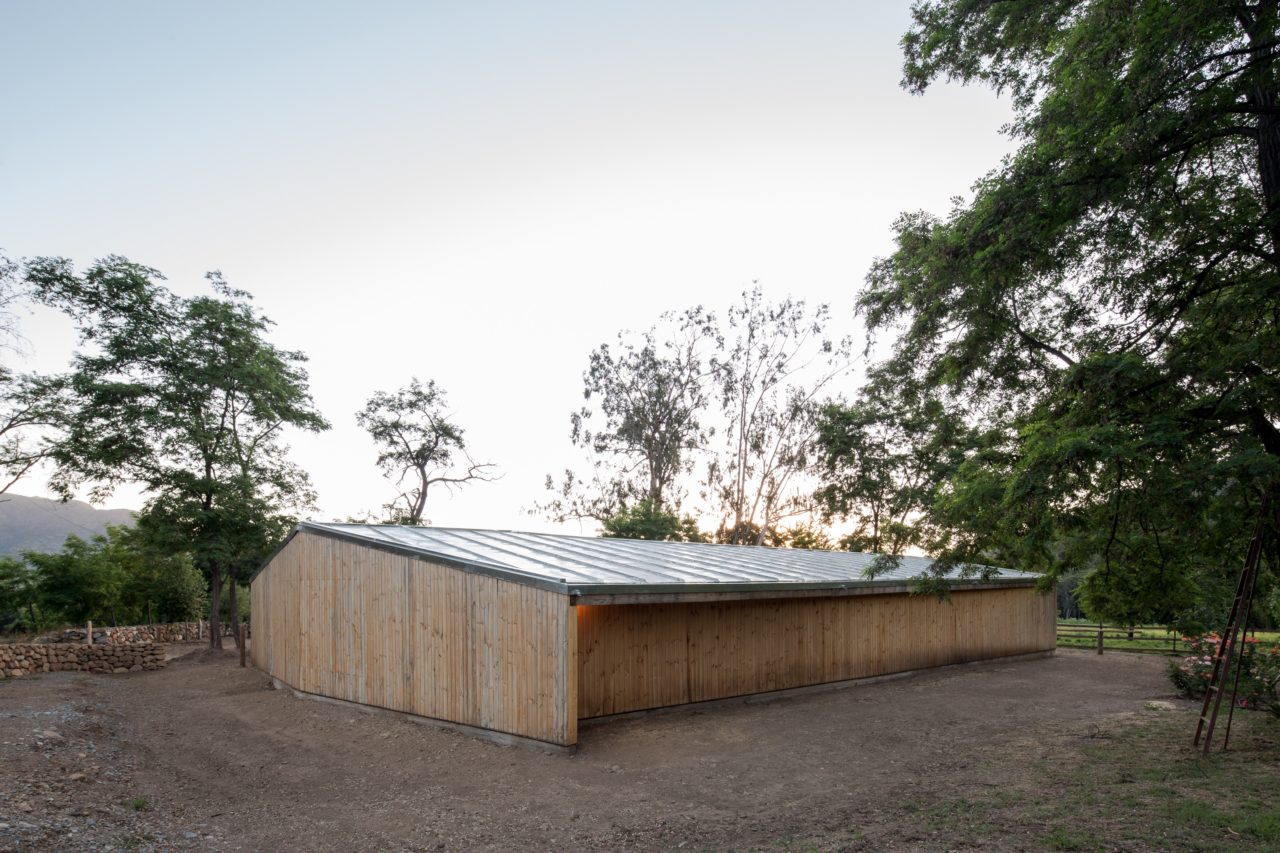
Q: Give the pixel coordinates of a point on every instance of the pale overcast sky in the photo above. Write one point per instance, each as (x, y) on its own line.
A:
(478, 193)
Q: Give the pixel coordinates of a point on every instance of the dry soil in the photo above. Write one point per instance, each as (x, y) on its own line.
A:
(206, 755)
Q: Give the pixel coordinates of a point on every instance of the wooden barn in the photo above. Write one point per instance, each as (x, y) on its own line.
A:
(529, 633)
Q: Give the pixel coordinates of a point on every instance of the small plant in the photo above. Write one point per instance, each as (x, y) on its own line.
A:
(1062, 839)
(138, 804)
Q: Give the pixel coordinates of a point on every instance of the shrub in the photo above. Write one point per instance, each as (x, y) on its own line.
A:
(1259, 671)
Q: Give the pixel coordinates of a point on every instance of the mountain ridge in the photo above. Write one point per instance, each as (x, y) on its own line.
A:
(41, 524)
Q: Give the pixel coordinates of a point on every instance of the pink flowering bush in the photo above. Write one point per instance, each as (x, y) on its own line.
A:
(1259, 676)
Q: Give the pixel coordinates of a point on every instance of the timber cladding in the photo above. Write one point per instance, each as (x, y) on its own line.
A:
(519, 653)
(632, 657)
(343, 620)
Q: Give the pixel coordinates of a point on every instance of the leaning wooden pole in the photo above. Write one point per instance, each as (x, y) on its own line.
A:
(1228, 642)
(1235, 685)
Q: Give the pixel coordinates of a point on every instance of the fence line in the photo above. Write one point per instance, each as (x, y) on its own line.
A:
(1130, 638)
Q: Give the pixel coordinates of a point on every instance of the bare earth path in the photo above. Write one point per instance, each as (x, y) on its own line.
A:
(204, 755)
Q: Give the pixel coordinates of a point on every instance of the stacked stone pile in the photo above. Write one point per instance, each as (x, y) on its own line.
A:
(174, 632)
(21, 659)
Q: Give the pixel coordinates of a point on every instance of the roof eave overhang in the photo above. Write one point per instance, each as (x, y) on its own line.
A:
(690, 593)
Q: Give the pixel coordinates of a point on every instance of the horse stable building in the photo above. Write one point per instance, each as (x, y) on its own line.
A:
(529, 633)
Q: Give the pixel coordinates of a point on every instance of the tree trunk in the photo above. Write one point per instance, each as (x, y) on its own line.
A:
(418, 505)
(1263, 98)
(233, 605)
(1269, 163)
(215, 606)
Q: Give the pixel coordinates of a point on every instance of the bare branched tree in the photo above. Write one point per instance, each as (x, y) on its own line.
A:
(771, 381)
(419, 447)
(28, 414)
(28, 403)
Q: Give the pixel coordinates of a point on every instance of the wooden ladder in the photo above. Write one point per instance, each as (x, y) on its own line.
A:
(1230, 640)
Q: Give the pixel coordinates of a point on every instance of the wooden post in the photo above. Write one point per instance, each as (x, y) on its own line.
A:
(1099, 638)
(88, 634)
(240, 629)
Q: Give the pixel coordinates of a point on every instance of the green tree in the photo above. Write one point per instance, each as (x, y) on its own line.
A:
(643, 421)
(187, 397)
(117, 577)
(419, 446)
(161, 584)
(644, 520)
(1104, 309)
(81, 582)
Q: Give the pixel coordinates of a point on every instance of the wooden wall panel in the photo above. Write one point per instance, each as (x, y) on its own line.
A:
(340, 619)
(637, 656)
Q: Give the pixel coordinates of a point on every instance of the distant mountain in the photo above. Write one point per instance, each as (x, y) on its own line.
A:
(39, 524)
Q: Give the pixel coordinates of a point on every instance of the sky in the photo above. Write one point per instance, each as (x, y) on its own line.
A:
(475, 193)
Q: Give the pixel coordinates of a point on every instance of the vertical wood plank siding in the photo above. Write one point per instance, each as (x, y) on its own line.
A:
(343, 620)
(632, 657)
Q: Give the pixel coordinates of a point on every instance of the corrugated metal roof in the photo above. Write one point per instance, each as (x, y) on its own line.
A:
(583, 565)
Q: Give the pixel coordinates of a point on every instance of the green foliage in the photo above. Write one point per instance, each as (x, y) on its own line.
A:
(118, 578)
(161, 587)
(809, 536)
(418, 443)
(743, 533)
(186, 397)
(644, 419)
(83, 581)
(1134, 592)
(243, 609)
(1103, 312)
(882, 460)
(19, 597)
(646, 521)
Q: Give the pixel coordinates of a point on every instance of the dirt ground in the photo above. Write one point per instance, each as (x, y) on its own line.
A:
(205, 755)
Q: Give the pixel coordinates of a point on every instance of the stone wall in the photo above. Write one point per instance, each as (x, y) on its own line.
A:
(173, 632)
(20, 659)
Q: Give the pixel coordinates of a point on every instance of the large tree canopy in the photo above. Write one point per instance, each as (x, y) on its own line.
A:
(1104, 309)
(188, 398)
